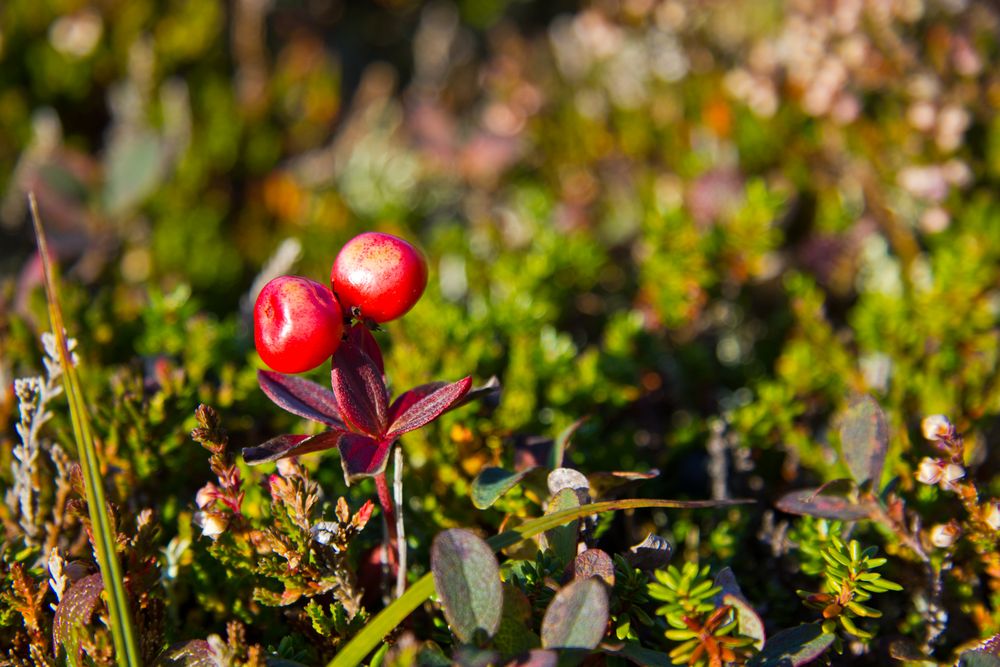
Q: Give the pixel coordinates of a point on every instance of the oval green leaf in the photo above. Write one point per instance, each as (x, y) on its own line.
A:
(562, 540)
(467, 578)
(864, 440)
(794, 646)
(491, 483)
(577, 616)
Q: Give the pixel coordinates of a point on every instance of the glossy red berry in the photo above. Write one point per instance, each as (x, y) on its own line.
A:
(298, 324)
(380, 274)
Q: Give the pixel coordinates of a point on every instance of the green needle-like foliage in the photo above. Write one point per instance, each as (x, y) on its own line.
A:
(706, 631)
(849, 582)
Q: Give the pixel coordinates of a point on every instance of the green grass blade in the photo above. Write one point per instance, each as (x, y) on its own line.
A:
(122, 633)
(384, 622)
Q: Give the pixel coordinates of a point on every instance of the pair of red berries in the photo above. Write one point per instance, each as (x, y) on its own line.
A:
(299, 323)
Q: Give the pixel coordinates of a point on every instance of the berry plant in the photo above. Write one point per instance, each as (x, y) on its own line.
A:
(646, 332)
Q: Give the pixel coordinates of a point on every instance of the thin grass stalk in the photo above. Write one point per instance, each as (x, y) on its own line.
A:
(122, 633)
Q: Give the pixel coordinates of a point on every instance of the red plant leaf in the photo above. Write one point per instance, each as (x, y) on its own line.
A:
(811, 502)
(360, 390)
(411, 396)
(73, 614)
(408, 398)
(362, 337)
(430, 407)
(301, 397)
(362, 456)
(291, 445)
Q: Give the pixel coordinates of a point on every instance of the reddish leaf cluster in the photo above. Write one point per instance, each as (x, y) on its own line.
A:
(362, 422)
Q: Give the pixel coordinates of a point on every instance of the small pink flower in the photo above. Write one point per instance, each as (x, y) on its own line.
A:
(207, 495)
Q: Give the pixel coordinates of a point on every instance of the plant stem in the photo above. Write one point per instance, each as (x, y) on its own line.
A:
(389, 516)
(397, 492)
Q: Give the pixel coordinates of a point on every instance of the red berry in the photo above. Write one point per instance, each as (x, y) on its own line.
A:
(380, 274)
(297, 324)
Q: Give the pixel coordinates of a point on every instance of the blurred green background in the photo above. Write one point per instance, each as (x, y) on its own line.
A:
(684, 220)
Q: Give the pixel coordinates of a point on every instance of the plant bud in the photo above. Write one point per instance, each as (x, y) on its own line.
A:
(207, 495)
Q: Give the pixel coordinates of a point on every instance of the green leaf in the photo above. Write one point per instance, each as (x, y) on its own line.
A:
(73, 614)
(793, 647)
(491, 483)
(638, 654)
(134, 168)
(749, 624)
(515, 635)
(864, 439)
(104, 538)
(577, 616)
(978, 658)
(563, 539)
(192, 653)
(385, 621)
(536, 658)
(562, 442)
(467, 578)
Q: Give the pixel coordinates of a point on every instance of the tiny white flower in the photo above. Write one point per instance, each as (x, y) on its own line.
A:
(212, 524)
(944, 535)
(929, 471)
(992, 515)
(936, 427)
(952, 473)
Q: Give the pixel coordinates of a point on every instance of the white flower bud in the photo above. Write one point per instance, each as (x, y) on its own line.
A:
(936, 427)
(944, 535)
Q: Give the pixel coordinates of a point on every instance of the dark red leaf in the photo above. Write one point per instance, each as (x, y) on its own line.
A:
(301, 397)
(362, 456)
(812, 502)
(408, 398)
(362, 337)
(429, 408)
(411, 396)
(360, 390)
(73, 614)
(291, 445)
